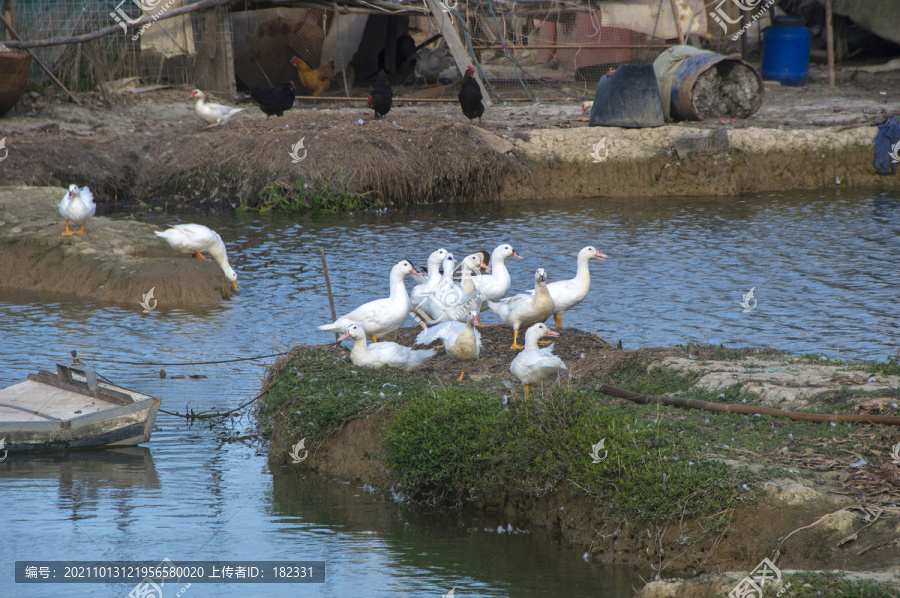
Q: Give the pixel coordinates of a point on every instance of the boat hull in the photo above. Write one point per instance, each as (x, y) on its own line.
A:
(127, 425)
(72, 410)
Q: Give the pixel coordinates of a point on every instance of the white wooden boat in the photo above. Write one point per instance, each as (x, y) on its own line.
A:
(71, 409)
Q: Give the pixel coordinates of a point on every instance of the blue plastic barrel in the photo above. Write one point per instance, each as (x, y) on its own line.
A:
(785, 55)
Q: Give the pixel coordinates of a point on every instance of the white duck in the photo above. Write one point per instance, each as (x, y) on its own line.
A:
(453, 301)
(534, 364)
(429, 282)
(495, 285)
(198, 239)
(383, 353)
(215, 114)
(77, 205)
(524, 309)
(462, 342)
(380, 316)
(566, 294)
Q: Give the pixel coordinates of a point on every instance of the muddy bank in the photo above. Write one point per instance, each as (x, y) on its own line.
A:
(116, 260)
(801, 495)
(646, 162)
(417, 160)
(154, 149)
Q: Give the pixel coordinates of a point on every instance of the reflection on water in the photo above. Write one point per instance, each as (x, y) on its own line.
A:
(461, 548)
(824, 270)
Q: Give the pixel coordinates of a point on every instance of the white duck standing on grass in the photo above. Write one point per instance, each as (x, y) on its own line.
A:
(534, 364)
(77, 205)
(526, 308)
(566, 294)
(381, 316)
(215, 114)
(198, 239)
(495, 285)
(462, 342)
(383, 353)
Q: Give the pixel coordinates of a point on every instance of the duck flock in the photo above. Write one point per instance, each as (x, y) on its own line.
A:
(447, 302)
(447, 299)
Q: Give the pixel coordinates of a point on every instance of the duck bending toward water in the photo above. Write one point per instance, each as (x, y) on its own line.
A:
(524, 309)
(380, 316)
(534, 364)
(462, 342)
(77, 205)
(198, 239)
(383, 353)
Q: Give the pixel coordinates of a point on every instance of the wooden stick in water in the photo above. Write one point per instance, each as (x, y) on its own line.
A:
(328, 288)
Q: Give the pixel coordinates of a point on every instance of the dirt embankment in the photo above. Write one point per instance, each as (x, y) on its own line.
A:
(818, 512)
(115, 260)
(153, 148)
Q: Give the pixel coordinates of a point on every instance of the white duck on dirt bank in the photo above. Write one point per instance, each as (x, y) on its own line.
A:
(451, 302)
(77, 205)
(384, 353)
(524, 309)
(533, 365)
(215, 114)
(495, 285)
(198, 239)
(566, 294)
(427, 284)
(381, 316)
(462, 342)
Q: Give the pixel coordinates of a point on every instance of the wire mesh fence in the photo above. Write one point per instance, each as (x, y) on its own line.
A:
(527, 49)
(188, 50)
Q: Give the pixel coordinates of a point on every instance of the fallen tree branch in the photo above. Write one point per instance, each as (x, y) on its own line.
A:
(78, 39)
(889, 420)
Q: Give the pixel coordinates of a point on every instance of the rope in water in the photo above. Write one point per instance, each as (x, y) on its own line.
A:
(196, 362)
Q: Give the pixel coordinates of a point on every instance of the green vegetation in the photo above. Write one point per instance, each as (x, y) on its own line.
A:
(826, 585)
(459, 440)
(316, 197)
(890, 367)
(445, 441)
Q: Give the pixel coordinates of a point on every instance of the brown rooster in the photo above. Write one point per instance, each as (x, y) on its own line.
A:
(316, 81)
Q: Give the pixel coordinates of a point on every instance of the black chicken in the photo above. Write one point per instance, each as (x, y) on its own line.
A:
(470, 96)
(274, 100)
(381, 95)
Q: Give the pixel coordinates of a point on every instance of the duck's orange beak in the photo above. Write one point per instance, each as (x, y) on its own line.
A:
(234, 284)
(551, 333)
(600, 256)
(344, 336)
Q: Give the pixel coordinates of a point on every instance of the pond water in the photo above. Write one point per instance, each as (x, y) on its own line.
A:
(823, 266)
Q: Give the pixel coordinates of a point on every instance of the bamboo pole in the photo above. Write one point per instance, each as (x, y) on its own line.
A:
(397, 100)
(328, 289)
(890, 420)
(457, 48)
(744, 31)
(829, 37)
(674, 4)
